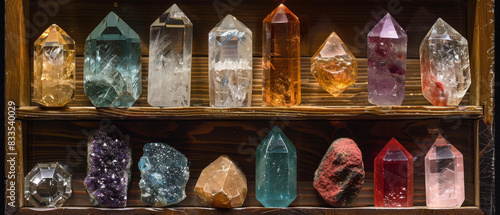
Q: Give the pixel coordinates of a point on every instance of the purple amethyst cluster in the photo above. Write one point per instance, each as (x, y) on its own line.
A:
(108, 168)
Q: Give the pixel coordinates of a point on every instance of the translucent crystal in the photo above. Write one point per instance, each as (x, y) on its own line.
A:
(164, 175)
(47, 185)
(170, 48)
(281, 58)
(222, 184)
(112, 64)
(108, 167)
(276, 170)
(230, 63)
(334, 66)
(393, 176)
(386, 63)
(444, 65)
(444, 175)
(54, 68)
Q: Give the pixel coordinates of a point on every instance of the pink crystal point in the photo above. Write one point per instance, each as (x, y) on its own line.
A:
(387, 43)
(444, 175)
(393, 176)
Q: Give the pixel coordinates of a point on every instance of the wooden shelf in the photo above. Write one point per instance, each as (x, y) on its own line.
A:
(247, 210)
(252, 113)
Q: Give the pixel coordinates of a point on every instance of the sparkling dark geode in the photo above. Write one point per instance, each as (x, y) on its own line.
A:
(108, 168)
(164, 175)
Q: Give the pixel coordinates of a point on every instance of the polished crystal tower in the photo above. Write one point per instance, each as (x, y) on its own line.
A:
(334, 66)
(393, 176)
(281, 58)
(170, 50)
(444, 175)
(47, 185)
(54, 68)
(386, 63)
(112, 74)
(276, 170)
(230, 64)
(444, 65)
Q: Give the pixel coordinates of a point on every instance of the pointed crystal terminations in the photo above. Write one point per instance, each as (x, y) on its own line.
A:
(444, 65)
(334, 66)
(281, 58)
(387, 43)
(276, 170)
(112, 72)
(47, 185)
(222, 184)
(230, 63)
(444, 175)
(393, 176)
(108, 167)
(170, 50)
(54, 70)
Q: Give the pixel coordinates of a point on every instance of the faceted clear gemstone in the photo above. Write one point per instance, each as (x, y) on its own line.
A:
(386, 63)
(108, 167)
(281, 58)
(444, 65)
(334, 66)
(112, 65)
(230, 62)
(54, 68)
(444, 175)
(222, 184)
(170, 50)
(393, 176)
(164, 175)
(47, 185)
(276, 170)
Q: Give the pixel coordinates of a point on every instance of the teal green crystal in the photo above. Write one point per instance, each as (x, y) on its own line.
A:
(112, 64)
(276, 170)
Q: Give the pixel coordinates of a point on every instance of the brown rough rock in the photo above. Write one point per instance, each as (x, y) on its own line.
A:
(340, 175)
(222, 184)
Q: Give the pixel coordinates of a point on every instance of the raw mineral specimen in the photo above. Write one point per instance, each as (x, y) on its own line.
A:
(276, 170)
(444, 65)
(393, 176)
(54, 68)
(164, 175)
(281, 58)
(444, 175)
(47, 185)
(112, 73)
(222, 184)
(334, 66)
(341, 174)
(230, 63)
(108, 168)
(386, 63)
(170, 48)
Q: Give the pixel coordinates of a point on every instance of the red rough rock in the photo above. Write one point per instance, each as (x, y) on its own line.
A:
(340, 175)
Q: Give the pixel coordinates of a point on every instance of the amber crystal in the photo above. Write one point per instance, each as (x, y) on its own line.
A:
(222, 184)
(54, 68)
(281, 58)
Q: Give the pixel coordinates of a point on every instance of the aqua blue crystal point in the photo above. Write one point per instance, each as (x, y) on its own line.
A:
(112, 64)
(276, 170)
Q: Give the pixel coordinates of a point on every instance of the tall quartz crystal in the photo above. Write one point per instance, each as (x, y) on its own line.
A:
(230, 63)
(170, 49)
(112, 73)
(281, 58)
(54, 70)
(444, 175)
(387, 43)
(444, 65)
(276, 170)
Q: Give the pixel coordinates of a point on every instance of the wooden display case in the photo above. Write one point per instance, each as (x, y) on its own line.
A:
(203, 133)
